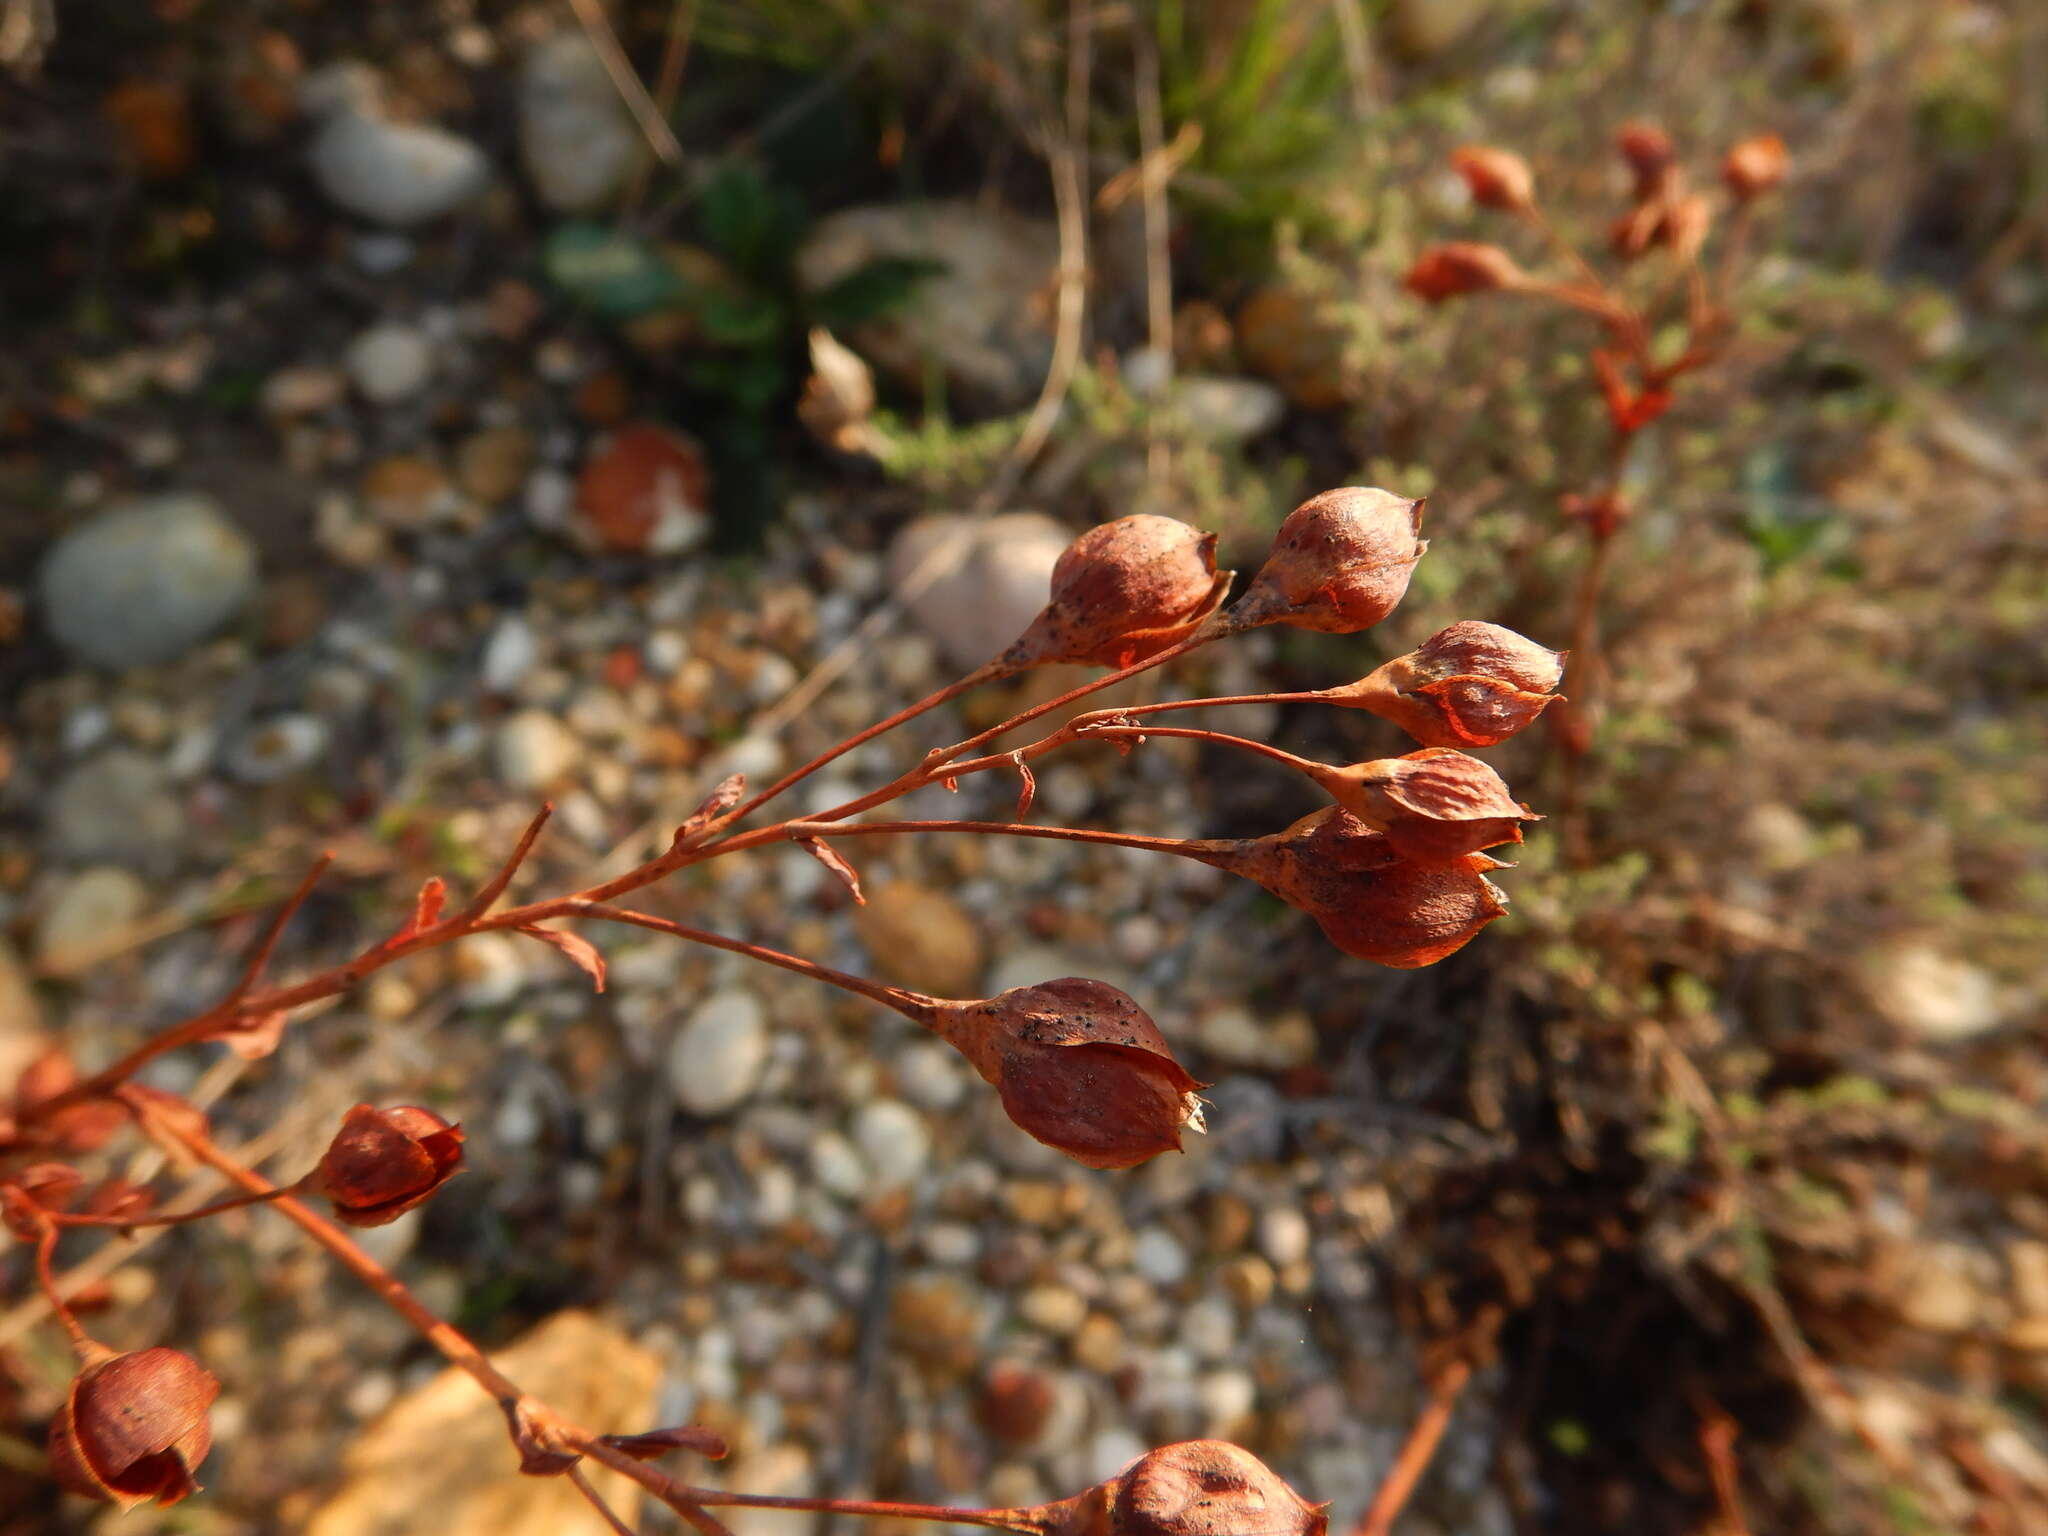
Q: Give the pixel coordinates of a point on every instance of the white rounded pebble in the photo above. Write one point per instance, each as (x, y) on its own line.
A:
(720, 1052)
(389, 362)
(892, 1137)
(509, 654)
(534, 750)
(1209, 1328)
(1159, 1256)
(930, 1075)
(140, 584)
(836, 1164)
(490, 970)
(1283, 1235)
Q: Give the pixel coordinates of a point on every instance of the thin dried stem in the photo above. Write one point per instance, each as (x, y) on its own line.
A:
(1216, 738)
(496, 886)
(597, 1502)
(46, 1282)
(598, 28)
(988, 672)
(1416, 1453)
(1185, 847)
(169, 1218)
(913, 1005)
(259, 957)
(675, 53)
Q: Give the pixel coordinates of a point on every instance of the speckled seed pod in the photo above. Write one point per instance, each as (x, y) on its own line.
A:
(133, 1428)
(1434, 806)
(1471, 685)
(1460, 267)
(1079, 1065)
(1339, 563)
(383, 1162)
(1755, 165)
(1124, 591)
(1209, 1488)
(1367, 899)
(1496, 178)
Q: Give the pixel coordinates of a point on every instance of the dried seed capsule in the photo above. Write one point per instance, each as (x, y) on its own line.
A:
(1650, 155)
(1367, 899)
(133, 1428)
(1471, 685)
(1497, 178)
(383, 1162)
(1080, 1066)
(1755, 166)
(1340, 563)
(1124, 591)
(1209, 1488)
(1195, 1488)
(1460, 267)
(1434, 806)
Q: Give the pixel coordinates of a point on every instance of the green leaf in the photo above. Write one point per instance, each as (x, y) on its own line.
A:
(737, 319)
(871, 291)
(752, 223)
(615, 275)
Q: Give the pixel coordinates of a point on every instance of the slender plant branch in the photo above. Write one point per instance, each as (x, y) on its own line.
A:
(1416, 1452)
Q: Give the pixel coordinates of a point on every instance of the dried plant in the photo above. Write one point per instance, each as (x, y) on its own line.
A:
(1634, 374)
(1391, 870)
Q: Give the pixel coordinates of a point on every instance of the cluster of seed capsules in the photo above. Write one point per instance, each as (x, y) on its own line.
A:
(1394, 870)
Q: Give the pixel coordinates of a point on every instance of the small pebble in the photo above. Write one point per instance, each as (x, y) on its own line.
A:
(389, 362)
(720, 1053)
(892, 1137)
(1159, 1256)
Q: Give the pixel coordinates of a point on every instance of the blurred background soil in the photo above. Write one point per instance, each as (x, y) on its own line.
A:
(413, 411)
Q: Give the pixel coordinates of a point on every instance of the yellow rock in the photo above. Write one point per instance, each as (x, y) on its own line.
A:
(439, 1461)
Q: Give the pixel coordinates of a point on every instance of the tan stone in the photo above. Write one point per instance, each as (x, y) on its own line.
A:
(439, 1462)
(919, 937)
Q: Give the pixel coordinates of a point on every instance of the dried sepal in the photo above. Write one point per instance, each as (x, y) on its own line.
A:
(1434, 805)
(1080, 1066)
(383, 1162)
(1367, 899)
(134, 1427)
(836, 862)
(1124, 591)
(579, 951)
(1460, 267)
(1340, 563)
(1496, 178)
(1472, 684)
(651, 1443)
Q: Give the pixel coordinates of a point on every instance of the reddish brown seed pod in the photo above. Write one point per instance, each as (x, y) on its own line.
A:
(1195, 1488)
(1461, 267)
(1755, 166)
(1124, 591)
(81, 1127)
(1369, 901)
(1434, 806)
(1650, 155)
(383, 1162)
(1340, 563)
(1080, 1066)
(133, 1428)
(1497, 178)
(1472, 684)
(1209, 1488)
